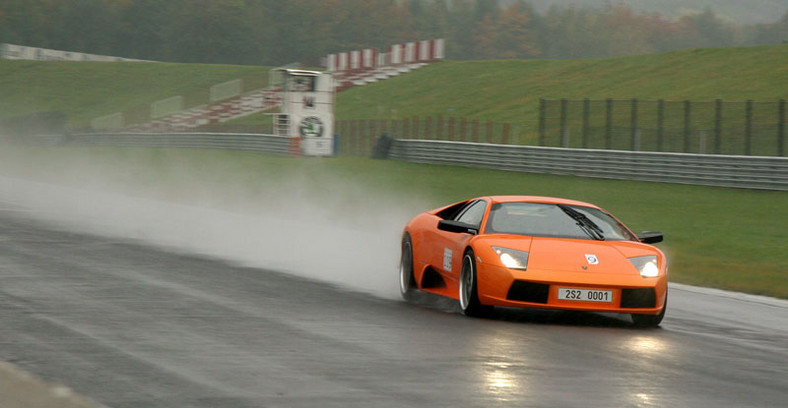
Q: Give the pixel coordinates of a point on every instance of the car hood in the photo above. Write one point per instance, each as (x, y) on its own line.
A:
(609, 257)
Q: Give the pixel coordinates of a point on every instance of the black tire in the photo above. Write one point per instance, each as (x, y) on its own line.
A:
(644, 320)
(407, 282)
(469, 297)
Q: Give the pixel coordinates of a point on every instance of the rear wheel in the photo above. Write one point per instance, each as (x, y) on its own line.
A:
(469, 297)
(644, 320)
(407, 283)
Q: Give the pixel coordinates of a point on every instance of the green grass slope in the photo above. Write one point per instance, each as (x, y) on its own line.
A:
(86, 90)
(509, 90)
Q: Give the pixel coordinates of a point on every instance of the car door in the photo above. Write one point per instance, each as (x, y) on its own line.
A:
(449, 246)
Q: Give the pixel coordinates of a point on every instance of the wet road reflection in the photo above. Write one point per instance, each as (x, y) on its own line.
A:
(134, 326)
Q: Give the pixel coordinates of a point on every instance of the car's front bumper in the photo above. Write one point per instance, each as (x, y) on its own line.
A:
(500, 286)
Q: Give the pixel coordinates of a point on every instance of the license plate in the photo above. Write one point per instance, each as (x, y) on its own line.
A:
(585, 295)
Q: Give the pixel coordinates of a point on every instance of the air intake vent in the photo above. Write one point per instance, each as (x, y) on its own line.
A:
(637, 298)
(523, 291)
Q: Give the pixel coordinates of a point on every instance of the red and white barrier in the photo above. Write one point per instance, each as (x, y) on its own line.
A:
(396, 54)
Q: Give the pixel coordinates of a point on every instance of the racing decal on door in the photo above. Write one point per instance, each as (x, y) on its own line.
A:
(592, 259)
(447, 253)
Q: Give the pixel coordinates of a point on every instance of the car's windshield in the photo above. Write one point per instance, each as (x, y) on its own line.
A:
(550, 220)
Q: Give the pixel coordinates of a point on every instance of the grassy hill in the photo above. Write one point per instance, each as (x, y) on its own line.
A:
(509, 91)
(86, 90)
(502, 91)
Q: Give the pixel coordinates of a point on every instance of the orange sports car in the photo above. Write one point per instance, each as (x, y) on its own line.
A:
(535, 252)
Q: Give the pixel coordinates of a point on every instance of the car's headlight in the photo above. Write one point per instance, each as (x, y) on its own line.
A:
(646, 265)
(512, 258)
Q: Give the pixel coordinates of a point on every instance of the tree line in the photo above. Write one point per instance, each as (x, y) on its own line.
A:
(277, 32)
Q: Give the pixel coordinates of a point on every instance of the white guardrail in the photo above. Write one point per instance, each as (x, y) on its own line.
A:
(227, 141)
(753, 172)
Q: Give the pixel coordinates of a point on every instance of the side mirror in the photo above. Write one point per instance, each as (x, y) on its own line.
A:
(456, 226)
(650, 237)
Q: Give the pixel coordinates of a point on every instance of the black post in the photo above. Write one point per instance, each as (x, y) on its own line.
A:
(718, 126)
(564, 136)
(609, 124)
(542, 119)
(660, 124)
(586, 120)
(373, 131)
(634, 125)
(687, 125)
(748, 129)
(781, 128)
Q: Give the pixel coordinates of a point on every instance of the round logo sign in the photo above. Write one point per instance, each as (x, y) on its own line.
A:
(311, 126)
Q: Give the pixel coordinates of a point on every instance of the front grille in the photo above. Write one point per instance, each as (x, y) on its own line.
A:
(638, 298)
(523, 291)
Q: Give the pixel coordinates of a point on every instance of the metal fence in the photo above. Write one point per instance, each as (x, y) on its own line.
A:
(706, 127)
(357, 136)
(769, 173)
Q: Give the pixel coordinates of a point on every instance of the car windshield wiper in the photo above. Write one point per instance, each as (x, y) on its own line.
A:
(588, 226)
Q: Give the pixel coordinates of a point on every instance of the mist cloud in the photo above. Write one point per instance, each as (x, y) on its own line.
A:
(349, 237)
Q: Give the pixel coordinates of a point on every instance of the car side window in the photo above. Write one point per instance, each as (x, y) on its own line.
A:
(474, 213)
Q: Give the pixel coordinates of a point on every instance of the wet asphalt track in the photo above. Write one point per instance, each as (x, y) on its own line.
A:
(133, 326)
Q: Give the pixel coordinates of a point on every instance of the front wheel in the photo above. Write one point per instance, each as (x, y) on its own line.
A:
(644, 320)
(407, 283)
(469, 297)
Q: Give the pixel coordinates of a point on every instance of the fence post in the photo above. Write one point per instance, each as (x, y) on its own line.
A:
(634, 125)
(660, 124)
(562, 123)
(463, 129)
(505, 134)
(542, 120)
(338, 125)
(718, 126)
(563, 130)
(439, 130)
(354, 128)
(405, 128)
(781, 128)
(489, 131)
(452, 133)
(373, 131)
(428, 128)
(586, 121)
(608, 123)
(475, 130)
(687, 125)
(358, 135)
(395, 130)
(748, 129)
(344, 144)
(415, 129)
